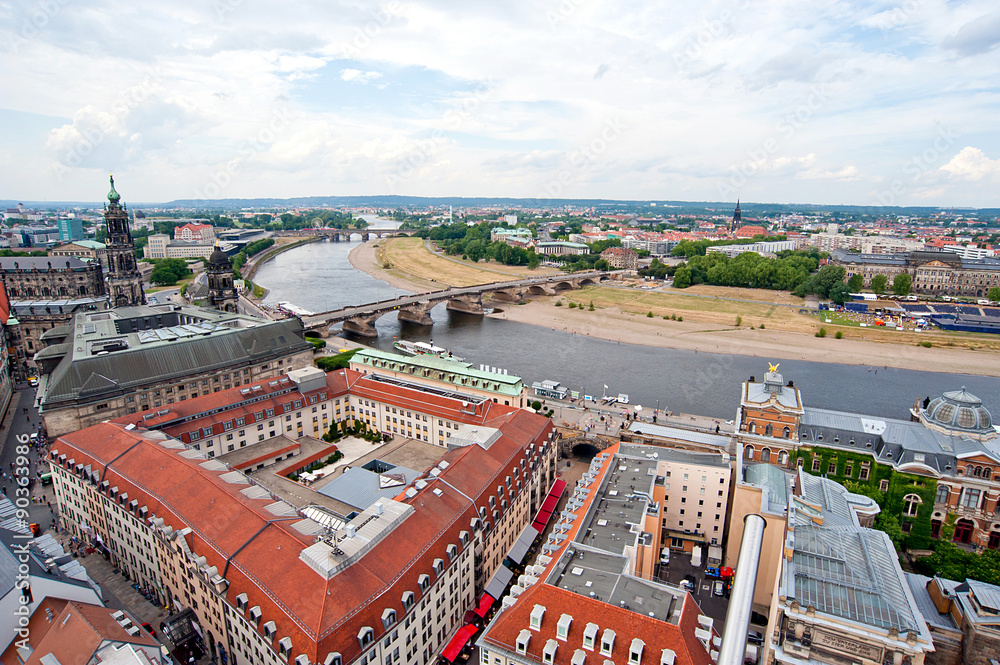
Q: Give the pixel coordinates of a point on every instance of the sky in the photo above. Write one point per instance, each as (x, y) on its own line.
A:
(783, 101)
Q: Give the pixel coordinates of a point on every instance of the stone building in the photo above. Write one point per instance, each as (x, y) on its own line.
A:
(622, 258)
(219, 273)
(932, 272)
(124, 280)
(51, 278)
(109, 364)
(37, 317)
(84, 249)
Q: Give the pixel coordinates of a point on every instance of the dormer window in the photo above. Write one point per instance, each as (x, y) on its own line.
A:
(522, 641)
(562, 628)
(452, 552)
(589, 636)
(333, 658)
(463, 538)
(549, 652)
(255, 614)
(269, 630)
(438, 567)
(635, 651)
(424, 581)
(408, 600)
(285, 646)
(241, 602)
(366, 636)
(579, 657)
(536, 617)
(607, 642)
(388, 618)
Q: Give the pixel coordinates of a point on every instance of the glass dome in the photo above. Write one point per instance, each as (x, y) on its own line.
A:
(960, 410)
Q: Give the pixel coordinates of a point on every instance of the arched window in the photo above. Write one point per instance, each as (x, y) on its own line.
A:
(910, 504)
(748, 453)
(765, 455)
(987, 472)
(768, 431)
(942, 494)
(787, 433)
(752, 428)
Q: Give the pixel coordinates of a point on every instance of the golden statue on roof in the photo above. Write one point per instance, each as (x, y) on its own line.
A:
(772, 368)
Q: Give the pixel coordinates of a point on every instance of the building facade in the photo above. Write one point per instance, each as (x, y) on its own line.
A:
(51, 278)
(88, 250)
(219, 273)
(621, 258)
(124, 280)
(932, 272)
(201, 233)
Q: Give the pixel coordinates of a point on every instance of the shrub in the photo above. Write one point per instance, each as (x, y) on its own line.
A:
(680, 318)
(649, 315)
(536, 405)
(739, 321)
(926, 345)
(840, 334)
(591, 308)
(666, 318)
(559, 303)
(762, 326)
(572, 305)
(821, 333)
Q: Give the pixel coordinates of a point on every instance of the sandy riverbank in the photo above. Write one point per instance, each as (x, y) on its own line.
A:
(613, 324)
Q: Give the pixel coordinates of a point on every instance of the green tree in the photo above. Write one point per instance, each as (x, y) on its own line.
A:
(163, 276)
(682, 277)
(890, 525)
(840, 293)
(856, 283)
(901, 284)
(879, 283)
(994, 294)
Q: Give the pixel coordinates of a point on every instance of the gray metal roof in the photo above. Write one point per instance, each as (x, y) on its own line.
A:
(918, 587)
(772, 479)
(361, 488)
(679, 434)
(656, 453)
(987, 595)
(761, 393)
(43, 263)
(87, 374)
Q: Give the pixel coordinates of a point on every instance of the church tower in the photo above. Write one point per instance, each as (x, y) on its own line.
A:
(124, 280)
(221, 293)
(737, 218)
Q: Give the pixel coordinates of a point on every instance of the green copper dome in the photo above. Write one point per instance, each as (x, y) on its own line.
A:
(113, 196)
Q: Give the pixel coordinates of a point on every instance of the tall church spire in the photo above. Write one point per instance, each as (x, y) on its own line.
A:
(737, 218)
(124, 280)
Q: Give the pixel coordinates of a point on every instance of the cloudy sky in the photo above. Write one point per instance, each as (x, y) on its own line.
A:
(858, 102)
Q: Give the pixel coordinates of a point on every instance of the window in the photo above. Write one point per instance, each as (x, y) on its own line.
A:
(765, 455)
(883, 485)
(832, 469)
(607, 642)
(815, 466)
(970, 498)
(748, 453)
(865, 471)
(943, 491)
(911, 502)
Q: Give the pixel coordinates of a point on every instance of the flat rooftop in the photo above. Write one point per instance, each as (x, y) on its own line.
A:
(617, 515)
(656, 453)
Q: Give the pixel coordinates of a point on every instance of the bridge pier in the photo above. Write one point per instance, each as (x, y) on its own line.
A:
(364, 236)
(363, 326)
(418, 313)
(468, 304)
(511, 294)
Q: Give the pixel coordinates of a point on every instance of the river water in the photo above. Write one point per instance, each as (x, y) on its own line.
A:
(319, 277)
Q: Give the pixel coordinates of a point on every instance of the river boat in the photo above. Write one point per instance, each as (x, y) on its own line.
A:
(424, 349)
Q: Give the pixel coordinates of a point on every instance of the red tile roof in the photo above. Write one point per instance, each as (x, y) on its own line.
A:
(263, 551)
(656, 634)
(73, 634)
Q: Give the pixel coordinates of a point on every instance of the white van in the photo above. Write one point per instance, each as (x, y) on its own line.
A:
(696, 556)
(665, 555)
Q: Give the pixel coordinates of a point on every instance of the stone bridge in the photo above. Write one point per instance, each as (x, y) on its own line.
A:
(360, 320)
(567, 444)
(336, 235)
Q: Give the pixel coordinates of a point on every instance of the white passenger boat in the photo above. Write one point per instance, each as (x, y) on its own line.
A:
(424, 349)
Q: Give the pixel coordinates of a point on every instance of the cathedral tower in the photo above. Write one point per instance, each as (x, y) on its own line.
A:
(219, 271)
(124, 280)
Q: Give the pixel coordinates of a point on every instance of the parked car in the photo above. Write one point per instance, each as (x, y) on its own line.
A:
(718, 588)
(149, 629)
(755, 637)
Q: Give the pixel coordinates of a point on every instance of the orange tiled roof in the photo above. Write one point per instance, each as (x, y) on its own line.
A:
(656, 634)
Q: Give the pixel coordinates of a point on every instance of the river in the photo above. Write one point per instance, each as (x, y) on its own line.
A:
(319, 277)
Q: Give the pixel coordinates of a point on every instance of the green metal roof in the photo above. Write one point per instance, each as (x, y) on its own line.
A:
(455, 372)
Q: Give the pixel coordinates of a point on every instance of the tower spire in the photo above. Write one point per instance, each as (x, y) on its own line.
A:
(737, 218)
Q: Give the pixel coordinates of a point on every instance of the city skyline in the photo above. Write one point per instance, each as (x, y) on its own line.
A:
(854, 104)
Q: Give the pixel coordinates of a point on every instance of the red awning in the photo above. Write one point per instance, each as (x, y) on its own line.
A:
(458, 643)
(485, 603)
(549, 505)
(558, 488)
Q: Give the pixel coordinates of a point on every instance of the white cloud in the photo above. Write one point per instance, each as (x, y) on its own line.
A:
(358, 76)
(972, 164)
(806, 101)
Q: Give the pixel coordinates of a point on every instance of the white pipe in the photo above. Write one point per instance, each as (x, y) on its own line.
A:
(734, 638)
